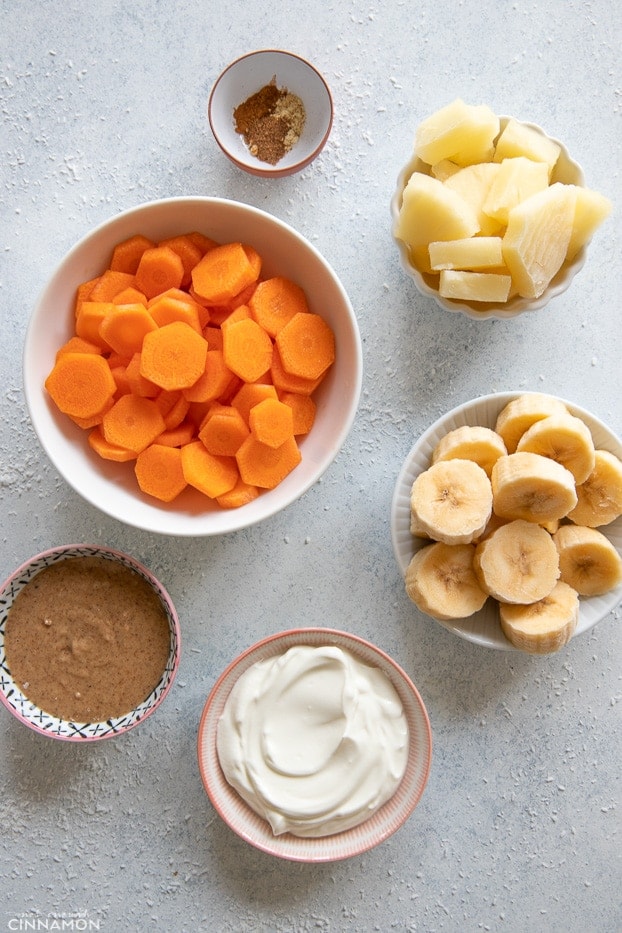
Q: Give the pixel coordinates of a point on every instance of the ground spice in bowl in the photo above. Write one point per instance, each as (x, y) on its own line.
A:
(270, 121)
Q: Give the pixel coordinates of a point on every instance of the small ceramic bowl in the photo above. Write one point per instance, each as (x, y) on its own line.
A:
(31, 715)
(111, 487)
(567, 171)
(483, 628)
(256, 831)
(247, 75)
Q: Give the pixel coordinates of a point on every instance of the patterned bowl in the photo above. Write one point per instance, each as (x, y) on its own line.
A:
(31, 715)
(382, 824)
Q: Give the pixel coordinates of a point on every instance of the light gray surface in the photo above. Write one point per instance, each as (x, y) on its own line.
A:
(104, 106)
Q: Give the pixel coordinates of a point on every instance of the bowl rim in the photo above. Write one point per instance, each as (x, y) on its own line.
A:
(270, 171)
(151, 513)
(482, 627)
(239, 817)
(488, 311)
(54, 727)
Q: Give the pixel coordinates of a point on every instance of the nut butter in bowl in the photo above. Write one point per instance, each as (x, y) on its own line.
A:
(89, 643)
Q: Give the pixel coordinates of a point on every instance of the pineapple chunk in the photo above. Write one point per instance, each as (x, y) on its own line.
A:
(590, 211)
(473, 182)
(474, 286)
(443, 169)
(517, 179)
(478, 252)
(430, 211)
(518, 139)
(537, 238)
(458, 129)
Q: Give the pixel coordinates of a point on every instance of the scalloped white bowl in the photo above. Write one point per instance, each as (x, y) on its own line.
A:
(387, 820)
(111, 487)
(31, 715)
(567, 171)
(247, 75)
(483, 628)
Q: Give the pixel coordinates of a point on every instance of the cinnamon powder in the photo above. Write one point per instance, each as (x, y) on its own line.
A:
(270, 121)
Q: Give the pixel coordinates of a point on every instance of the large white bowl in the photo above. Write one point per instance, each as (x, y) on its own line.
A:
(483, 628)
(112, 487)
(31, 715)
(247, 75)
(382, 824)
(566, 170)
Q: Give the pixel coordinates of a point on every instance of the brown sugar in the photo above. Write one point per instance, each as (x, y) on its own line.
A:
(87, 639)
(271, 121)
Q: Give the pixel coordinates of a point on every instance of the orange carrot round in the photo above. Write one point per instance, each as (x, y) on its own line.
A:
(159, 268)
(306, 346)
(173, 356)
(125, 326)
(223, 272)
(247, 349)
(275, 301)
(81, 384)
(224, 431)
(126, 255)
(133, 422)
(264, 466)
(303, 411)
(159, 472)
(271, 422)
(210, 474)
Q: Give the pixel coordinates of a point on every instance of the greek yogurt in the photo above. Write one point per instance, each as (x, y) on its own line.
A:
(313, 740)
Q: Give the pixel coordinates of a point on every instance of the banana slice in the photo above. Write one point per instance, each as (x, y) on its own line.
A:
(588, 561)
(544, 626)
(441, 582)
(451, 501)
(565, 439)
(530, 486)
(519, 414)
(517, 563)
(471, 442)
(599, 498)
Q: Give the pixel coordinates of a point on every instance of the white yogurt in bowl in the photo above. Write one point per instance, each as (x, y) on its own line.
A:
(314, 740)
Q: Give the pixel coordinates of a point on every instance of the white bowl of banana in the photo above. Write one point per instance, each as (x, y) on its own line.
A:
(506, 521)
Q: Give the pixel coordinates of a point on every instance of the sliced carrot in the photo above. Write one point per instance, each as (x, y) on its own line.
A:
(130, 296)
(306, 345)
(159, 268)
(204, 242)
(119, 374)
(213, 335)
(188, 251)
(137, 383)
(93, 420)
(240, 495)
(303, 411)
(213, 381)
(159, 472)
(109, 284)
(81, 384)
(264, 466)
(174, 407)
(247, 349)
(271, 422)
(109, 451)
(173, 356)
(224, 431)
(275, 301)
(178, 436)
(241, 313)
(126, 255)
(89, 319)
(83, 292)
(286, 382)
(250, 394)
(133, 422)
(211, 475)
(78, 345)
(125, 326)
(223, 272)
(164, 309)
(243, 297)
